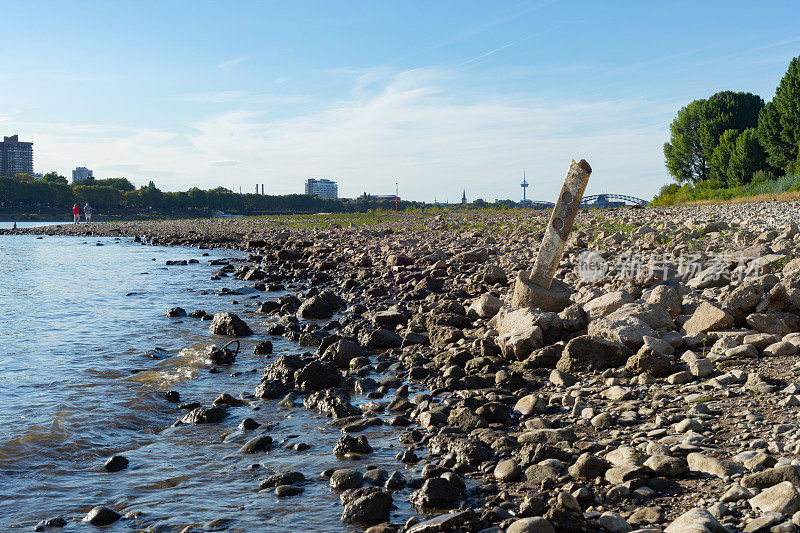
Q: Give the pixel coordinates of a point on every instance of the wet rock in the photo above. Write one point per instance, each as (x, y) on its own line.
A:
(116, 463)
(175, 312)
(436, 493)
(227, 399)
(283, 478)
(229, 324)
(263, 348)
(317, 376)
(221, 355)
(286, 491)
(205, 415)
(370, 506)
(55, 522)
(172, 396)
(262, 443)
(248, 424)
(102, 516)
(344, 479)
(348, 444)
(269, 390)
(332, 402)
(395, 481)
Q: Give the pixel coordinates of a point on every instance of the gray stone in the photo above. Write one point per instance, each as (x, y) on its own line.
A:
(696, 521)
(591, 353)
(530, 525)
(229, 324)
(707, 318)
(782, 498)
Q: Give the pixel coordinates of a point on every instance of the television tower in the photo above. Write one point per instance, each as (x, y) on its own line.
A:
(524, 186)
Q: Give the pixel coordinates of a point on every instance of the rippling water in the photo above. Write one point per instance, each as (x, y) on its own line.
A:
(78, 319)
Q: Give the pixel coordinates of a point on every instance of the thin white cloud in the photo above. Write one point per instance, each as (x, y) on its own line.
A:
(508, 45)
(410, 128)
(233, 62)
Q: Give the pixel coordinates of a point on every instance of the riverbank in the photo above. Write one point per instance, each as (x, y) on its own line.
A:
(645, 402)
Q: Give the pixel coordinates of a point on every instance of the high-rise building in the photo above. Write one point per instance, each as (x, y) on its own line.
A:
(322, 188)
(15, 157)
(81, 174)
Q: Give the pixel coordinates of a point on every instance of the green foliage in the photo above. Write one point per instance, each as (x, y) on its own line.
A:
(121, 184)
(55, 177)
(747, 158)
(695, 132)
(721, 157)
(97, 196)
(762, 183)
(779, 122)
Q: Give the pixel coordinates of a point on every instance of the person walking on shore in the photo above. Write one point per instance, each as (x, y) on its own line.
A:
(87, 212)
(76, 214)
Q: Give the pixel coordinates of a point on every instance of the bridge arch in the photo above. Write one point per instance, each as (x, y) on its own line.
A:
(611, 200)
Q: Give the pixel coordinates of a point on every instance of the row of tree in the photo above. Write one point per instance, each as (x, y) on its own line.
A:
(733, 138)
(112, 193)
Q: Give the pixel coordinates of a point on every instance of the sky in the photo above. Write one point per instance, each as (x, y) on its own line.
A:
(439, 97)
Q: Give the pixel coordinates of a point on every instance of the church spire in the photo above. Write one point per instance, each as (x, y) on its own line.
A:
(464, 197)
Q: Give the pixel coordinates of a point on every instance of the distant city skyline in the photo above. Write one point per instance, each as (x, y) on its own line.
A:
(439, 97)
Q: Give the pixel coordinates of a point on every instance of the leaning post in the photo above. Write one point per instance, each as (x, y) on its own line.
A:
(537, 287)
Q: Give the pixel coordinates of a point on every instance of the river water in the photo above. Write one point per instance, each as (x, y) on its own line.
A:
(80, 317)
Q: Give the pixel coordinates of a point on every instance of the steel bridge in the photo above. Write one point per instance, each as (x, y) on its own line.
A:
(611, 200)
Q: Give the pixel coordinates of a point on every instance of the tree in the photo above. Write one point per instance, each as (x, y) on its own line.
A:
(721, 157)
(54, 177)
(696, 132)
(779, 122)
(121, 184)
(747, 158)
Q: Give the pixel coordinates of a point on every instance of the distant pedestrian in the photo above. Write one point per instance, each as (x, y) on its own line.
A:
(76, 214)
(87, 211)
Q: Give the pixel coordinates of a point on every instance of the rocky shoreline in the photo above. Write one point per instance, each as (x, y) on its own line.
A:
(664, 397)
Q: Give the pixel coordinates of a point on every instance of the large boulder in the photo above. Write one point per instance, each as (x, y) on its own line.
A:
(368, 505)
(782, 498)
(341, 352)
(707, 318)
(696, 520)
(436, 493)
(315, 308)
(606, 304)
(484, 306)
(590, 353)
(317, 376)
(229, 324)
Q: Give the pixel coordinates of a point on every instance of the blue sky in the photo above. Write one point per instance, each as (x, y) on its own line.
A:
(440, 96)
